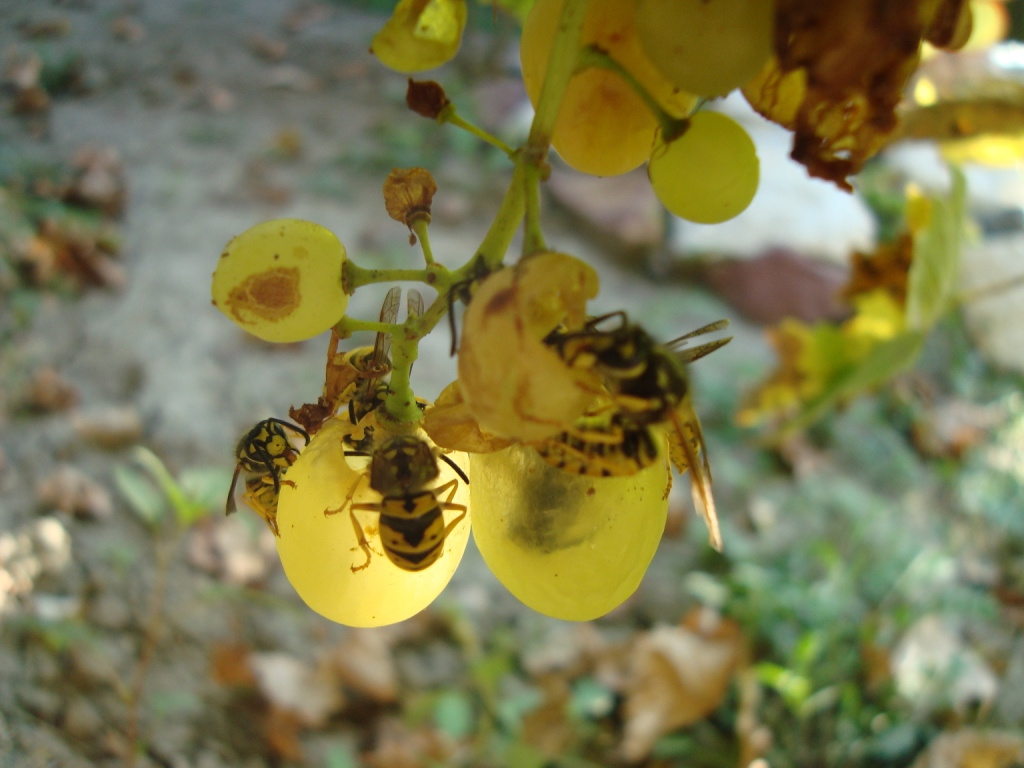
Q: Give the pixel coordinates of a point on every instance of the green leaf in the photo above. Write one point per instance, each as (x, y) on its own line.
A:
(935, 269)
(590, 699)
(143, 498)
(206, 489)
(453, 714)
(880, 364)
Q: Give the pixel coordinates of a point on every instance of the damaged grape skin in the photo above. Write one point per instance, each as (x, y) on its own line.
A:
(567, 546)
(281, 280)
(318, 551)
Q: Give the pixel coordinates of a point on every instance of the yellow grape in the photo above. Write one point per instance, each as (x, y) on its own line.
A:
(710, 173)
(318, 551)
(567, 546)
(603, 127)
(281, 280)
(707, 47)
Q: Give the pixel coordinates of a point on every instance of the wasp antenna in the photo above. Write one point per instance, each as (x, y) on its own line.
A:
(456, 467)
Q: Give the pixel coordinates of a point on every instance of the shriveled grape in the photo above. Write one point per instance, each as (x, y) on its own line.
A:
(708, 174)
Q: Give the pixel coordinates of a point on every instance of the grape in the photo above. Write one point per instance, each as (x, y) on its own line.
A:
(420, 35)
(707, 47)
(513, 384)
(281, 280)
(603, 127)
(709, 174)
(318, 552)
(567, 546)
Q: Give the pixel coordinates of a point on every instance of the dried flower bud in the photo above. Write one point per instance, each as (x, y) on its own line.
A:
(408, 193)
(425, 97)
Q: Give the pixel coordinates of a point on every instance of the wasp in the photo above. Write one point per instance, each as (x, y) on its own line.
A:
(648, 384)
(601, 447)
(412, 526)
(356, 378)
(264, 453)
(371, 392)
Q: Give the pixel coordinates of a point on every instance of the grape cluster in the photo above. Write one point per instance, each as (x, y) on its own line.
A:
(663, 57)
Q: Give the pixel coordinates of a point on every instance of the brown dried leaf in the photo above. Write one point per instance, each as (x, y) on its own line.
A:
(224, 548)
(365, 663)
(100, 180)
(51, 28)
(400, 747)
(887, 268)
(108, 426)
(128, 29)
(229, 665)
(310, 694)
(48, 391)
(679, 675)
(973, 748)
(547, 727)
(839, 72)
(72, 492)
(267, 48)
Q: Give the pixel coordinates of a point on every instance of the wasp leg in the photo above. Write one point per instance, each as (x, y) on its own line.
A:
(447, 504)
(360, 536)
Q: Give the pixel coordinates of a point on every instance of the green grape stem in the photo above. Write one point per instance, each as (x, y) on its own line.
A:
(449, 115)
(419, 226)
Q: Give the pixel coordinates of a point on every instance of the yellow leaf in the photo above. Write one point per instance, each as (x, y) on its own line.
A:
(421, 34)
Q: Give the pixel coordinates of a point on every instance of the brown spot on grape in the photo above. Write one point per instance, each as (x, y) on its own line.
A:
(270, 295)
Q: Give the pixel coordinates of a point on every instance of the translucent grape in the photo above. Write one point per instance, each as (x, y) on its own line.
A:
(710, 173)
(281, 280)
(318, 551)
(707, 47)
(603, 127)
(567, 546)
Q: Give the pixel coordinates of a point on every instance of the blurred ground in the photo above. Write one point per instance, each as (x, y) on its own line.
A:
(225, 114)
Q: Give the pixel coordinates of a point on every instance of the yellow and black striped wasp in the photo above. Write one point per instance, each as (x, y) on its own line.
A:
(372, 389)
(649, 385)
(264, 454)
(604, 445)
(356, 379)
(411, 514)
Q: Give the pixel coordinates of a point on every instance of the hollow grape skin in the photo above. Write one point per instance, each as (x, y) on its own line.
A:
(725, 42)
(710, 173)
(567, 546)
